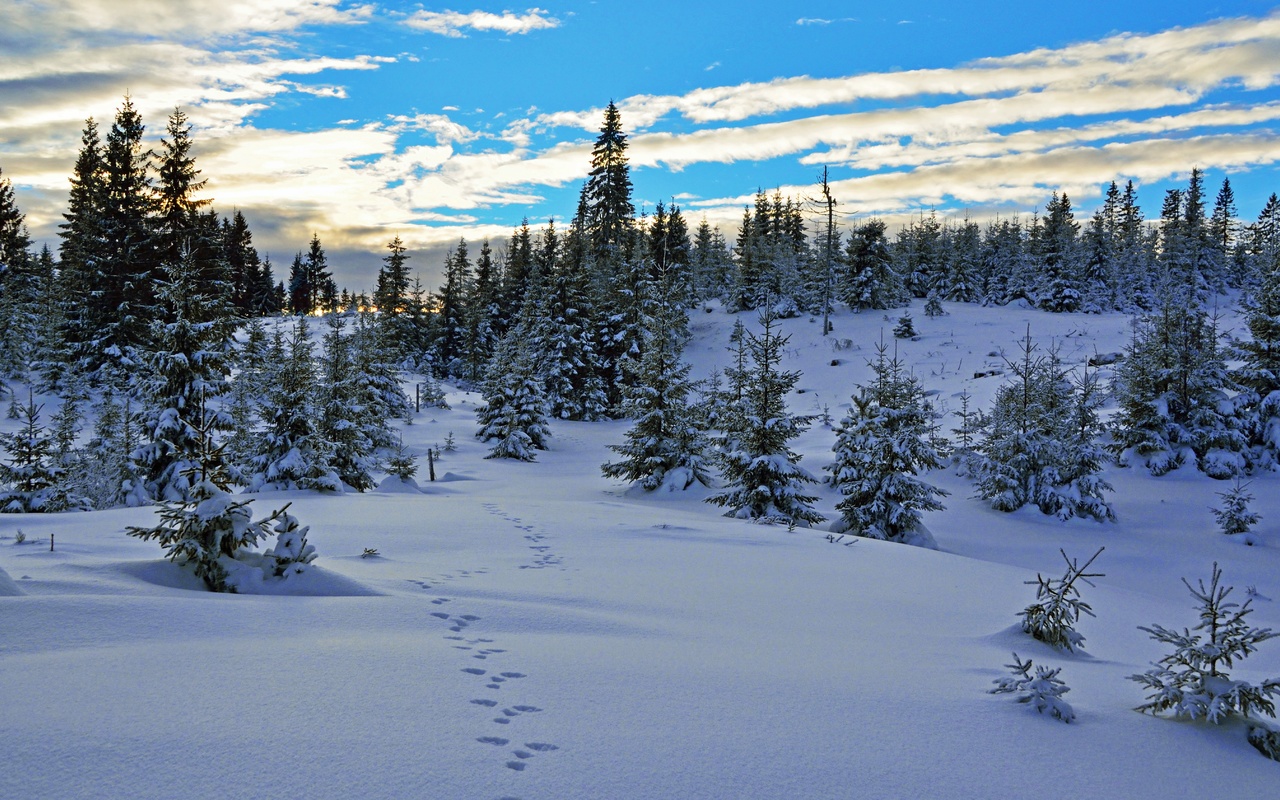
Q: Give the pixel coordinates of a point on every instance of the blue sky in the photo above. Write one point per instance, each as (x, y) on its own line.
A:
(361, 121)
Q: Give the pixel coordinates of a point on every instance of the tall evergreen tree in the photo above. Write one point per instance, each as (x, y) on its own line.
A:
(514, 413)
(610, 212)
(291, 453)
(665, 446)
(763, 478)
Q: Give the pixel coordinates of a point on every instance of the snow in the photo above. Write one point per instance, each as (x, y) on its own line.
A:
(533, 630)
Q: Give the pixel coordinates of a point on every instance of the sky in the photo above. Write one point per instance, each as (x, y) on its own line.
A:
(361, 121)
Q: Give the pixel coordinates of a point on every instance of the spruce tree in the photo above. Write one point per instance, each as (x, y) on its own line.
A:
(184, 370)
(340, 410)
(887, 439)
(665, 446)
(763, 479)
(1039, 447)
(514, 413)
(607, 193)
(212, 533)
(290, 451)
(32, 474)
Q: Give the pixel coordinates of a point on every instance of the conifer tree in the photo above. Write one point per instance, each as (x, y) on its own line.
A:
(514, 413)
(212, 533)
(291, 453)
(665, 446)
(33, 476)
(183, 371)
(19, 291)
(882, 445)
(870, 280)
(763, 479)
(341, 409)
(1038, 446)
(607, 193)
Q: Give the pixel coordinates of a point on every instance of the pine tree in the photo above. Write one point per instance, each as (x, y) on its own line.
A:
(32, 474)
(763, 479)
(514, 412)
(1193, 681)
(882, 445)
(608, 193)
(665, 446)
(291, 452)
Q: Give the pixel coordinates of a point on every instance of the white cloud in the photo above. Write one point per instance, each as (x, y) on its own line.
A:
(456, 23)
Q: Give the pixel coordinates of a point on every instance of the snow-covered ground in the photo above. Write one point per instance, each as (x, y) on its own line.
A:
(536, 631)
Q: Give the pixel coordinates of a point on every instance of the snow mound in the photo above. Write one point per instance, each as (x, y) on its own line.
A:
(313, 582)
(453, 476)
(394, 485)
(7, 587)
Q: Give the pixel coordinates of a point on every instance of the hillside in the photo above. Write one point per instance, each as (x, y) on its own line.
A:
(533, 630)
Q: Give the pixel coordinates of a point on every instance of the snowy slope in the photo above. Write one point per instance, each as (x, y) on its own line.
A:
(536, 631)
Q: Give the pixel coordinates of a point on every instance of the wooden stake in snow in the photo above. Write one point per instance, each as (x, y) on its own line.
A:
(431, 464)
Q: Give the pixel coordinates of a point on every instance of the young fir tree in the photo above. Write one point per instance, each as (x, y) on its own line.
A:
(514, 413)
(341, 409)
(291, 452)
(882, 445)
(212, 533)
(665, 446)
(33, 476)
(1193, 681)
(1174, 396)
(1039, 442)
(763, 479)
(1235, 516)
(247, 390)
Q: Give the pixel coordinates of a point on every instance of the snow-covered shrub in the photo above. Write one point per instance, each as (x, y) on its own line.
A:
(905, 329)
(1192, 681)
(1058, 606)
(1234, 516)
(291, 553)
(1042, 691)
(1266, 741)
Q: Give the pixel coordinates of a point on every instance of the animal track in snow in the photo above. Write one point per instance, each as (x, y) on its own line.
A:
(494, 740)
(516, 765)
(541, 747)
(485, 702)
(473, 671)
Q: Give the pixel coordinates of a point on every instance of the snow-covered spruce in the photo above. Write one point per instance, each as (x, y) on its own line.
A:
(1193, 681)
(514, 412)
(666, 445)
(290, 451)
(214, 534)
(1042, 691)
(34, 478)
(1040, 444)
(888, 437)
(1235, 517)
(1053, 616)
(763, 480)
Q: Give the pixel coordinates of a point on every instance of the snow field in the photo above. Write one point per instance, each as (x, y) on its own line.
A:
(536, 631)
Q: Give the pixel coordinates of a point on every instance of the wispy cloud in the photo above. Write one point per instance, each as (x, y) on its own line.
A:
(457, 23)
(803, 21)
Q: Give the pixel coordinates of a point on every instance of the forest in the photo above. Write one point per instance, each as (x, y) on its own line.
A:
(150, 321)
